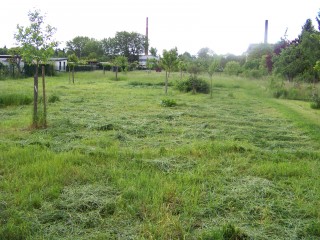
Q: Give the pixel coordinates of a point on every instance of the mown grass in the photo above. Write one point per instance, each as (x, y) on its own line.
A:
(114, 163)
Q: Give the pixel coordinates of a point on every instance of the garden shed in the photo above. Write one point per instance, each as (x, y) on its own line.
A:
(60, 64)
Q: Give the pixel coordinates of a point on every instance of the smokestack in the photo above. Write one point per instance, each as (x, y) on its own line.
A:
(266, 32)
(147, 40)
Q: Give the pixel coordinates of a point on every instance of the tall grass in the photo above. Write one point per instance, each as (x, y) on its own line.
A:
(14, 99)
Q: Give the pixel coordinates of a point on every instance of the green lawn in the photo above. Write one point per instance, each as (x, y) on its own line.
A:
(116, 164)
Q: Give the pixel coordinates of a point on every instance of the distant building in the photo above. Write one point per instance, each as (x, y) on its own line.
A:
(6, 60)
(60, 64)
(143, 60)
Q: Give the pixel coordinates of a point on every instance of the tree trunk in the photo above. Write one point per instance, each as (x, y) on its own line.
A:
(166, 84)
(44, 97)
(73, 75)
(116, 73)
(69, 75)
(35, 98)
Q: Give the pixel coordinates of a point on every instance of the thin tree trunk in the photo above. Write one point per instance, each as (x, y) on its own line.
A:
(116, 73)
(69, 75)
(44, 98)
(35, 98)
(73, 75)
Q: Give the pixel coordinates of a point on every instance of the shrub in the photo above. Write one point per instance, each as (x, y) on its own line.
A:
(315, 101)
(232, 68)
(193, 84)
(168, 102)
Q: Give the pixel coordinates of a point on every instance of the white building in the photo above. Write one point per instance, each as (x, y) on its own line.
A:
(143, 60)
(60, 64)
(5, 60)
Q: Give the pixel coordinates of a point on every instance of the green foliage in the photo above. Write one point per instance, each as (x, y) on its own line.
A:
(29, 70)
(168, 102)
(169, 62)
(232, 68)
(299, 57)
(121, 62)
(128, 44)
(315, 101)
(195, 84)
(14, 100)
(36, 41)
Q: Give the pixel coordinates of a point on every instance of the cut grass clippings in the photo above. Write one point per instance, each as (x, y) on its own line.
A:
(114, 163)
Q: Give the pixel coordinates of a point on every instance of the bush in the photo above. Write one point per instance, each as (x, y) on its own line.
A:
(29, 70)
(232, 68)
(168, 103)
(193, 84)
(315, 102)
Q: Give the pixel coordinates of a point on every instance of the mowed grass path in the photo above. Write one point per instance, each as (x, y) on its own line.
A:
(115, 164)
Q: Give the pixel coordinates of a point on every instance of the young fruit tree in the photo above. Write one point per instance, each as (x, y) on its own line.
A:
(37, 46)
(169, 62)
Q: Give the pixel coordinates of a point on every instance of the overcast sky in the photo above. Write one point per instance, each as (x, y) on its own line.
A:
(225, 26)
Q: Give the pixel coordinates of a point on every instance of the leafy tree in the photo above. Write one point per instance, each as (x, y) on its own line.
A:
(151, 63)
(4, 50)
(257, 56)
(72, 62)
(153, 51)
(169, 62)
(77, 45)
(182, 65)
(92, 49)
(233, 68)
(194, 68)
(130, 45)
(120, 62)
(298, 58)
(36, 47)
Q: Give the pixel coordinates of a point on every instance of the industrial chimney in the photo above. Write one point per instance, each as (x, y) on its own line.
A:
(147, 40)
(266, 32)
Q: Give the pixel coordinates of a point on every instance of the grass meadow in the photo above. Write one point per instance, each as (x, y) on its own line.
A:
(115, 163)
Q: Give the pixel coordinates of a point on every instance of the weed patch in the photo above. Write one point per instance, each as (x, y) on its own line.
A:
(14, 100)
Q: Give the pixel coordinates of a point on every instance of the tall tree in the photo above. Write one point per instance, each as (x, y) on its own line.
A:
(120, 62)
(37, 45)
(127, 44)
(298, 58)
(153, 51)
(77, 45)
(169, 62)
